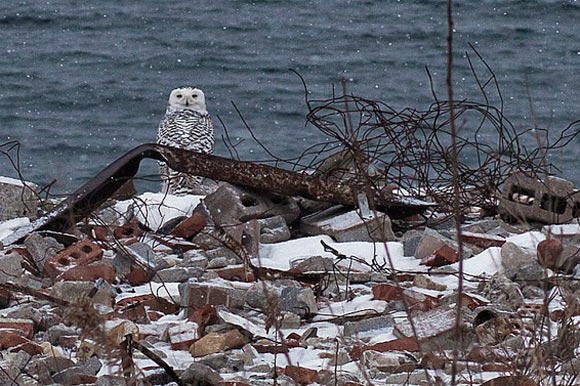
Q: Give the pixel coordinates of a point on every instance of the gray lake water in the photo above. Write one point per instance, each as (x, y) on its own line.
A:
(83, 82)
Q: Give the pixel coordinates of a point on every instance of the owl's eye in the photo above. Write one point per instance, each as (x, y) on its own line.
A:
(194, 95)
(179, 96)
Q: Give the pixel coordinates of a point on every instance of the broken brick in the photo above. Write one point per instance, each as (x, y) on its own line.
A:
(301, 375)
(235, 273)
(510, 380)
(416, 300)
(443, 256)
(204, 316)
(190, 226)
(129, 230)
(89, 272)
(402, 344)
(9, 339)
(25, 326)
(549, 252)
(80, 253)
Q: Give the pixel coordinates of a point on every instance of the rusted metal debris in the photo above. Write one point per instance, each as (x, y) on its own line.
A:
(258, 176)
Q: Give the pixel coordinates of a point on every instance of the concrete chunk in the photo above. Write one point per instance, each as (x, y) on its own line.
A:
(348, 225)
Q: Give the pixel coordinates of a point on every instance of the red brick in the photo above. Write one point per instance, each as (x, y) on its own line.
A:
(270, 348)
(89, 272)
(237, 273)
(471, 301)
(403, 344)
(482, 240)
(80, 253)
(416, 300)
(301, 375)
(443, 256)
(9, 339)
(138, 276)
(100, 233)
(190, 226)
(129, 230)
(498, 367)
(294, 336)
(204, 316)
(26, 326)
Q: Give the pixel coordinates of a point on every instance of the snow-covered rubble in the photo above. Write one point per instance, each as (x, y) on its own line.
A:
(160, 289)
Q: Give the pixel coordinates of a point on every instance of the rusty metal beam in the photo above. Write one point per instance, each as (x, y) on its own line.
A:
(95, 192)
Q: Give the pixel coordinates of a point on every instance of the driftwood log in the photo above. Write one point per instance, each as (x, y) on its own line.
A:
(258, 176)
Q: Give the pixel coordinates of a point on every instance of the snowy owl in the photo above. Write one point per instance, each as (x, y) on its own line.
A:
(186, 125)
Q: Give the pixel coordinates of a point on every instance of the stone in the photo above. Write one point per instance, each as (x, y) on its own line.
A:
(18, 199)
(118, 333)
(430, 242)
(217, 342)
(75, 375)
(55, 332)
(424, 281)
(177, 274)
(10, 266)
(218, 262)
(273, 230)
(300, 301)
(200, 374)
(289, 320)
(388, 362)
(223, 362)
(435, 328)
(231, 205)
(313, 264)
(513, 257)
(502, 291)
(194, 258)
(145, 254)
(411, 240)
(367, 324)
(74, 291)
(41, 248)
(344, 225)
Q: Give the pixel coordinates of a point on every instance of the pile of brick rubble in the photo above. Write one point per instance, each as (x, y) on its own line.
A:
(243, 288)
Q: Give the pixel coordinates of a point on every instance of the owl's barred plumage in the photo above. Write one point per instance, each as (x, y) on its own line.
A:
(186, 125)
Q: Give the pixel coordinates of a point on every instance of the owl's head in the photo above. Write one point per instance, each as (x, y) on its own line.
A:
(186, 98)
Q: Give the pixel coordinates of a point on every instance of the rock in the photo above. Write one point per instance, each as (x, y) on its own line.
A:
(289, 320)
(18, 199)
(313, 264)
(118, 333)
(300, 301)
(388, 362)
(55, 332)
(223, 362)
(177, 274)
(424, 281)
(273, 230)
(430, 242)
(145, 254)
(348, 225)
(520, 264)
(411, 240)
(367, 324)
(218, 262)
(111, 380)
(75, 375)
(194, 259)
(41, 248)
(216, 342)
(503, 292)
(73, 291)
(511, 380)
(10, 266)
(200, 374)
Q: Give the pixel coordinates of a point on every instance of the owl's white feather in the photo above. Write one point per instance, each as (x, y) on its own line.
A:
(186, 125)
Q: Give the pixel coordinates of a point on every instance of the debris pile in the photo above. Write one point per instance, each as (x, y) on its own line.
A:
(243, 287)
